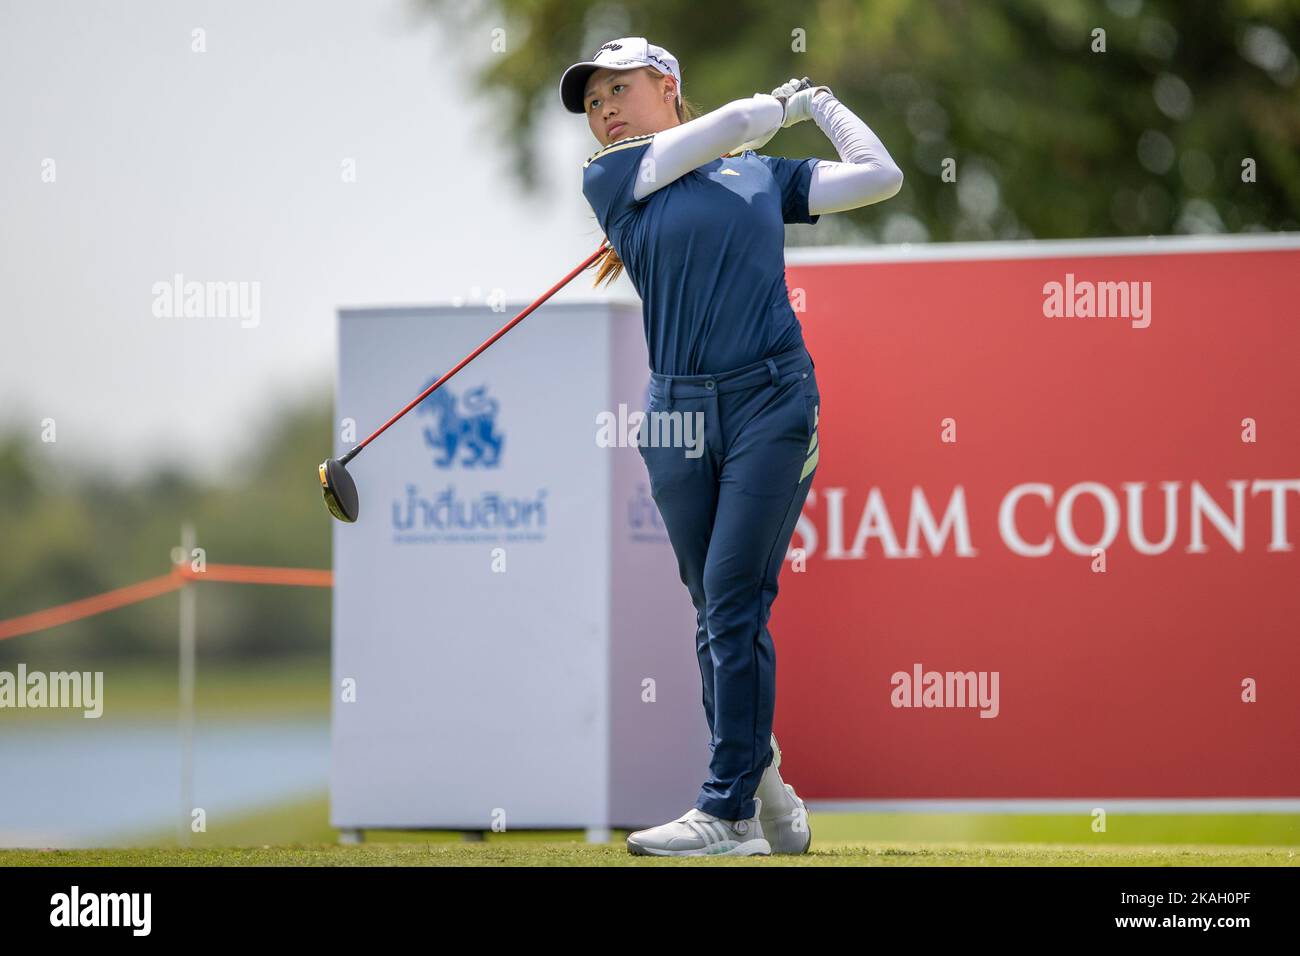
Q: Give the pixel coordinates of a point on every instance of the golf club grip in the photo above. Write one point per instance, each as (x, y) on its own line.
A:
(467, 359)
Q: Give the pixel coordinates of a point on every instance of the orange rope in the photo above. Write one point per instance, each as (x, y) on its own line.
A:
(143, 590)
(250, 574)
(63, 613)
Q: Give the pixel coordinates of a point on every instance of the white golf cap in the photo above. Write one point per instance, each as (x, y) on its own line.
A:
(625, 53)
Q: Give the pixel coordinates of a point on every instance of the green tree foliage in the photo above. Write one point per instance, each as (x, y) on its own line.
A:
(1050, 134)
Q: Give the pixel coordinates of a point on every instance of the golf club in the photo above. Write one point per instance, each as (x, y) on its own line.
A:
(337, 485)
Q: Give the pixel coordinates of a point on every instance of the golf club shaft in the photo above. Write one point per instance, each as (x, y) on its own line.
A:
(467, 359)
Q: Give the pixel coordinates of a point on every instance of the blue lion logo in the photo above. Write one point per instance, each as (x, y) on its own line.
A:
(474, 431)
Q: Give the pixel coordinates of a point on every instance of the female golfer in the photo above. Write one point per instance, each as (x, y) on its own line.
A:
(697, 218)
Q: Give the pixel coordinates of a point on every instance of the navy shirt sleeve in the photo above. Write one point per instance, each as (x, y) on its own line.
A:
(608, 178)
(793, 177)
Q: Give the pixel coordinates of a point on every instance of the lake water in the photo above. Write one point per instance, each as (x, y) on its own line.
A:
(81, 785)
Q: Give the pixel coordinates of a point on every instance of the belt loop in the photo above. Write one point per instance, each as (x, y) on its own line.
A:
(668, 391)
(771, 367)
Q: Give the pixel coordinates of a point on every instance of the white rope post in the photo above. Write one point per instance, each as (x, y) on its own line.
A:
(186, 705)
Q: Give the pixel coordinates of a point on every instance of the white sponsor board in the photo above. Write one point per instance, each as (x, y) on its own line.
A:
(507, 591)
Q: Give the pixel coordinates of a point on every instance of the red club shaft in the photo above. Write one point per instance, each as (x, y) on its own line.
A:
(468, 358)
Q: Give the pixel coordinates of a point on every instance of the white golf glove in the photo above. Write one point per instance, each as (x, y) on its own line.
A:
(798, 104)
(787, 93)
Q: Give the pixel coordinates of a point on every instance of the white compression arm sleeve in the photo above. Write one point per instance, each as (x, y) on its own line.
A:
(674, 152)
(867, 174)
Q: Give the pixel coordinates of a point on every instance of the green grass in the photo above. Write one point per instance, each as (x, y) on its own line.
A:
(299, 834)
(1234, 829)
(538, 852)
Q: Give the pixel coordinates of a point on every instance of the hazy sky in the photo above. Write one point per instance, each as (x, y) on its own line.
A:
(227, 165)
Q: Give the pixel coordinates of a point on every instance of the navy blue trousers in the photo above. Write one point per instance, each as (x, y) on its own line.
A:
(730, 458)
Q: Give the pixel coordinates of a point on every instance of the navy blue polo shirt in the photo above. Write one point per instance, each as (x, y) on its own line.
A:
(706, 253)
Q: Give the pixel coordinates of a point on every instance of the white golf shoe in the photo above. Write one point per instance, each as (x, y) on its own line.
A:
(696, 833)
(783, 815)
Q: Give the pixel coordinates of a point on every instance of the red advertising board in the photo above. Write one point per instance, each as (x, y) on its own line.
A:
(1051, 545)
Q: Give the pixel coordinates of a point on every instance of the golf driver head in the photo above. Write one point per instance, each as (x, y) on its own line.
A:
(339, 491)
